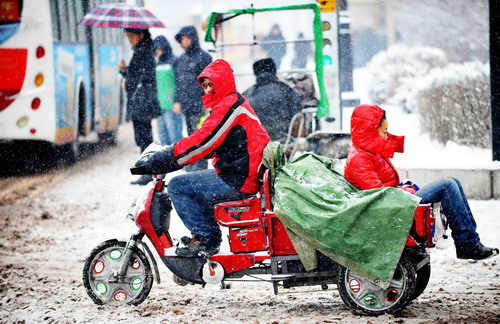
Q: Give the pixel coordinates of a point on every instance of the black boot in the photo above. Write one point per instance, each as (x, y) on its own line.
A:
(480, 252)
(143, 180)
(190, 240)
(198, 247)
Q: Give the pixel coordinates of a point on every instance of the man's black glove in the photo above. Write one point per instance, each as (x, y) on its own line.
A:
(160, 160)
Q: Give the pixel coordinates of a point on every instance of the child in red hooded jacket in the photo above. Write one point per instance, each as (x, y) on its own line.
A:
(368, 167)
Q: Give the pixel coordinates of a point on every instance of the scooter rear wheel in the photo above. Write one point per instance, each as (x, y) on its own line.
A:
(101, 282)
(422, 279)
(362, 295)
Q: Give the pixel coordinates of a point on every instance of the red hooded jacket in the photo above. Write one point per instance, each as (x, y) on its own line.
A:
(368, 164)
(232, 134)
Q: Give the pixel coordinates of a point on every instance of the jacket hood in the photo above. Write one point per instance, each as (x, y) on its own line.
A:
(191, 32)
(162, 43)
(266, 65)
(223, 83)
(365, 120)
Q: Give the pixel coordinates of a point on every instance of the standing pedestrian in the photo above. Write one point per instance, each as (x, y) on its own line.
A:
(274, 102)
(170, 122)
(302, 51)
(276, 49)
(188, 94)
(140, 86)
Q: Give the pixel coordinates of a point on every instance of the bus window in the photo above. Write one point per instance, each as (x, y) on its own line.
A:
(62, 16)
(56, 23)
(80, 30)
(71, 21)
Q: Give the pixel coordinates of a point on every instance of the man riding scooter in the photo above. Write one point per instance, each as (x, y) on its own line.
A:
(234, 137)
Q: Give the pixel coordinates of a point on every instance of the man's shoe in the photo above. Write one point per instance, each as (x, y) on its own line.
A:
(480, 252)
(198, 248)
(143, 180)
(190, 240)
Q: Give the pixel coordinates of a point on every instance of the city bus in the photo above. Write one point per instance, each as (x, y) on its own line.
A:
(59, 81)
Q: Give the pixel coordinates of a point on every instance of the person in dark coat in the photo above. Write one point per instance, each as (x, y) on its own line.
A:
(274, 102)
(302, 50)
(140, 86)
(187, 68)
(277, 49)
(188, 93)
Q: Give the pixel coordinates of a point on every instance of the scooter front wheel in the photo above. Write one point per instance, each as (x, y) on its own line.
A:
(100, 275)
(362, 295)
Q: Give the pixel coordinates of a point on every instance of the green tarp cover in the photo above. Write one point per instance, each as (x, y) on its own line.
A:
(363, 230)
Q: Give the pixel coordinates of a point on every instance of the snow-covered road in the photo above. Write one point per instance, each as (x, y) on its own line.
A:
(45, 238)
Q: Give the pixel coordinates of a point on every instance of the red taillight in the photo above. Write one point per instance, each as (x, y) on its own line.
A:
(35, 104)
(40, 52)
(33, 131)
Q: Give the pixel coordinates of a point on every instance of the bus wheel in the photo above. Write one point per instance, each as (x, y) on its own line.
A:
(109, 138)
(68, 153)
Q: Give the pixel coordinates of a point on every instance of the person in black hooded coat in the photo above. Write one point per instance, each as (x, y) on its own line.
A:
(187, 68)
(274, 102)
(188, 93)
(140, 86)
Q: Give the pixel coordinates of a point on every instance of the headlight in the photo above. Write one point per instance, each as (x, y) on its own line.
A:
(139, 204)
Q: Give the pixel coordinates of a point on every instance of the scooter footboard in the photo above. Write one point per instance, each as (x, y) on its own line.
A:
(186, 268)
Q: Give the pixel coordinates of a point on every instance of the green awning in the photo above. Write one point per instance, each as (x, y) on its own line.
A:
(323, 105)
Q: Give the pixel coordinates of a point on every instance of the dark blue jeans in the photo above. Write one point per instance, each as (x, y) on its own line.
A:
(450, 193)
(192, 195)
(169, 127)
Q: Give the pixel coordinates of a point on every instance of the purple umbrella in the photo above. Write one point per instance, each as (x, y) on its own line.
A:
(121, 15)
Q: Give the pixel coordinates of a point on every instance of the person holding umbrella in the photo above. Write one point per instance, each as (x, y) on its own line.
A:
(140, 79)
(140, 86)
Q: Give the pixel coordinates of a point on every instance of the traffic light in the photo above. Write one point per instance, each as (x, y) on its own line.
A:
(330, 61)
(327, 5)
(327, 43)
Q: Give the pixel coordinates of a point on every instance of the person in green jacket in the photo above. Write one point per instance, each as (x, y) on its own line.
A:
(169, 123)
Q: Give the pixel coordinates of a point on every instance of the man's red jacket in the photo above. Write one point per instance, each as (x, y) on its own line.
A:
(232, 134)
(368, 165)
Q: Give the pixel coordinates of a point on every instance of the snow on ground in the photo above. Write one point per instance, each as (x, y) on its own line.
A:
(45, 238)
